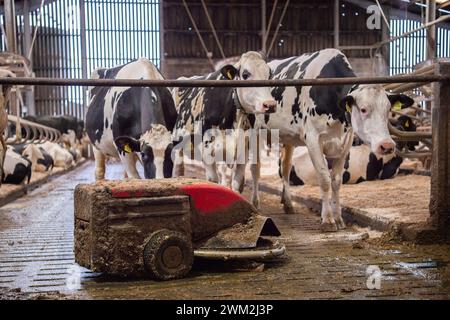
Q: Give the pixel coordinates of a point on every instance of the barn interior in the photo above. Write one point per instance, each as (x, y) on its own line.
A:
(399, 225)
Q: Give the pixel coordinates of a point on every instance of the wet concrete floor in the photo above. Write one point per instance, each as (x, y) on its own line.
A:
(36, 259)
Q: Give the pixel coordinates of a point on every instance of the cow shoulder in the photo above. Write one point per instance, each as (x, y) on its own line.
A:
(167, 107)
(330, 63)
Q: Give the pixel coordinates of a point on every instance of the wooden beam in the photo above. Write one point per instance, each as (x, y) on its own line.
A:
(83, 43)
(10, 25)
(431, 31)
(263, 25)
(440, 166)
(336, 24)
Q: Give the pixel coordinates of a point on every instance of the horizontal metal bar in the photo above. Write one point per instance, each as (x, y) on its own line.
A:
(410, 154)
(361, 47)
(216, 83)
(405, 135)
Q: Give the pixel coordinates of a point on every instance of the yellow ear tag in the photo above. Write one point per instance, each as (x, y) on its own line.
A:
(407, 124)
(397, 106)
(229, 75)
(348, 108)
(127, 148)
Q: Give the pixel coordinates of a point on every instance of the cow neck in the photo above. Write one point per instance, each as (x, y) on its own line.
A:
(237, 102)
(348, 115)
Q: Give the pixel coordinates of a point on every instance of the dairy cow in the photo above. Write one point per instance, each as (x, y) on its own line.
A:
(61, 157)
(361, 163)
(202, 109)
(40, 159)
(132, 123)
(324, 119)
(16, 169)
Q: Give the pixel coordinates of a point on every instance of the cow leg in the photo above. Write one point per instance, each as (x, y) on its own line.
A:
(222, 173)
(286, 166)
(100, 160)
(129, 163)
(337, 171)
(323, 175)
(178, 164)
(336, 181)
(211, 172)
(3, 149)
(238, 178)
(255, 169)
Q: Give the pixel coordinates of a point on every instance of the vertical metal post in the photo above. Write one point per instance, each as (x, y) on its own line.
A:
(83, 49)
(10, 29)
(29, 93)
(10, 25)
(336, 24)
(385, 35)
(83, 39)
(162, 37)
(263, 25)
(431, 31)
(440, 165)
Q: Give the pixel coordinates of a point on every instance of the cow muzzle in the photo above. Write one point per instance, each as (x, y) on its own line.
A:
(269, 106)
(386, 147)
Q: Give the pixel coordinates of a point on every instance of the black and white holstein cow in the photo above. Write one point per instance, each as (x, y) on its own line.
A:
(324, 118)
(41, 160)
(203, 109)
(132, 123)
(16, 169)
(361, 163)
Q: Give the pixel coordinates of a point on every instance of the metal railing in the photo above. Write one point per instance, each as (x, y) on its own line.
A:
(424, 76)
(34, 132)
(215, 83)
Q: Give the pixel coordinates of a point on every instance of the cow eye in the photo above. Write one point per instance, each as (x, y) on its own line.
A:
(245, 75)
(363, 110)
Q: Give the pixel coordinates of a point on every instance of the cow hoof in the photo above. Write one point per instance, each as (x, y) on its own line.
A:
(328, 227)
(289, 209)
(341, 224)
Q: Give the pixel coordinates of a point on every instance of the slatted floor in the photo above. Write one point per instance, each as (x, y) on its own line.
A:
(36, 258)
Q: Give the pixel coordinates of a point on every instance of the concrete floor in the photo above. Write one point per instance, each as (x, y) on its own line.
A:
(36, 259)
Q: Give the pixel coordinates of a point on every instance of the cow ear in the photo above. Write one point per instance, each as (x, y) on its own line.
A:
(347, 103)
(229, 72)
(127, 144)
(400, 101)
(263, 55)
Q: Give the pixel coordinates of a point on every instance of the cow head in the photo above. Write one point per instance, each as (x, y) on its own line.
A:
(369, 107)
(252, 66)
(405, 123)
(155, 146)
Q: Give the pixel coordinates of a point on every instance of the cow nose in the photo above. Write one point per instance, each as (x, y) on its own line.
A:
(386, 147)
(270, 106)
